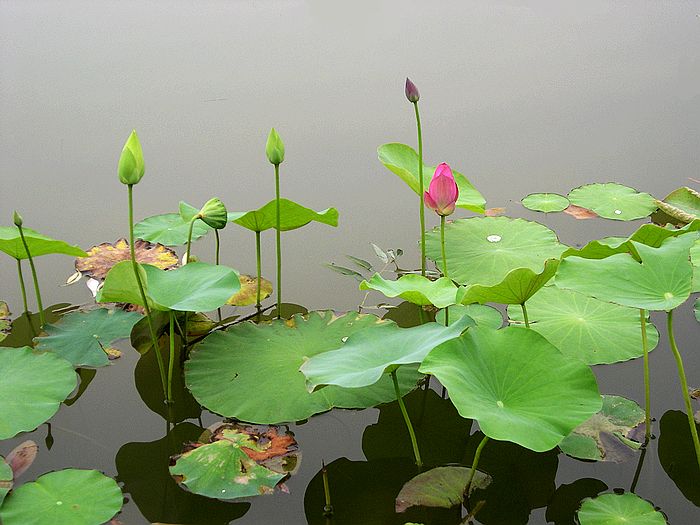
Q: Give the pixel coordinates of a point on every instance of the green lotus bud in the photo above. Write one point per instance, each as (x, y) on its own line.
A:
(274, 148)
(214, 213)
(131, 166)
(17, 219)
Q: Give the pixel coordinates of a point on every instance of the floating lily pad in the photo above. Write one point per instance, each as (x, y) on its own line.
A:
(677, 454)
(251, 372)
(402, 160)
(292, 216)
(27, 326)
(83, 337)
(66, 497)
(662, 281)
(100, 259)
(239, 461)
(5, 320)
(484, 250)
(481, 314)
(11, 244)
(679, 207)
(6, 479)
(367, 355)
(613, 509)
(607, 435)
(32, 388)
(613, 201)
(516, 384)
(248, 293)
(546, 202)
(440, 487)
(415, 289)
(585, 328)
(169, 229)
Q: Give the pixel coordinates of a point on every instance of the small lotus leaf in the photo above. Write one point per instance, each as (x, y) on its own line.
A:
(32, 388)
(249, 291)
(677, 454)
(11, 244)
(613, 509)
(102, 258)
(662, 281)
(415, 289)
(483, 250)
(5, 320)
(292, 216)
(546, 202)
(481, 314)
(440, 487)
(83, 337)
(613, 201)
(607, 435)
(66, 497)
(402, 160)
(585, 328)
(6, 479)
(21, 457)
(169, 229)
(251, 372)
(517, 385)
(679, 207)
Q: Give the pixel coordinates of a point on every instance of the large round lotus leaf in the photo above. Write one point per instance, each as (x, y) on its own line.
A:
(102, 258)
(11, 244)
(251, 372)
(517, 385)
(546, 202)
(83, 337)
(368, 354)
(440, 487)
(662, 281)
(169, 229)
(32, 388)
(66, 497)
(248, 294)
(292, 216)
(6, 479)
(677, 454)
(613, 201)
(516, 287)
(607, 435)
(402, 160)
(594, 331)
(616, 509)
(680, 207)
(5, 321)
(415, 289)
(481, 314)
(483, 250)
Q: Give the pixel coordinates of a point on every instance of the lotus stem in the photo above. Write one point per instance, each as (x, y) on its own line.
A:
(444, 262)
(279, 242)
(684, 385)
(42, 321)
(258, 269)
(524, 309)
(647, 395)
(421, 190)
(21, 286)
(475, 463)
(188, 255)
(171, 362)
(638, 470)
(216, 233)
(147, 309)
(328, 507)
(399, 398)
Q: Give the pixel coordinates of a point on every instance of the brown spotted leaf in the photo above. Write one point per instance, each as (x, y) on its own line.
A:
(103, 257)
(494, 212)
(22, 457)
(247, 295)
(580, 213)
(5, 321)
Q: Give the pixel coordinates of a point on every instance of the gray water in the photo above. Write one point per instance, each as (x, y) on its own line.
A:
(519, 96)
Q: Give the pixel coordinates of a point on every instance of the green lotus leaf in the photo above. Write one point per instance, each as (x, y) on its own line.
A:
(613, 509)
(585, 328)
(613, 201)
(251, 372)
(415, 289)
(169, 229)
(6, 479)
(402, 160)
(662, 281)
(679, 207)
(120, 286)
(83, 337)
(677, 454)
(481, 314)
(483, 250)
(607, 435)
(5, 320)
(516, 287)
(66, 497)
(11, 244)
(27, 326)
(695, 261)
(517, 385)
(292, 216)
(32, 388)
(546, 202)
(367, 355)
(440, 487)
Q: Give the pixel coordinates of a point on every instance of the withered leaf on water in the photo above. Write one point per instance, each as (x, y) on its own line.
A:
(580, 213)
(103, 257)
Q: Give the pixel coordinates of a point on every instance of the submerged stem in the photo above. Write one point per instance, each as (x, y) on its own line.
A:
(34, 278)
(421, 190)
(411, 433)
(475, 463)
(647, 395)
(524, 309)
(279, 242)
(21, 286)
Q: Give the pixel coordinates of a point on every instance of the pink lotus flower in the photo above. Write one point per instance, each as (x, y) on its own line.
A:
(443, 192)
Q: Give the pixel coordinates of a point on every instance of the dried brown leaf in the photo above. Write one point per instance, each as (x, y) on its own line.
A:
(580, 213)
(103, 257)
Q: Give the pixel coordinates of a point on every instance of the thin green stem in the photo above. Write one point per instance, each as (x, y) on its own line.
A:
(442, 245)
(21, 286)
(647, 395)
(524, 309)
(147, 309)
(421, 190)
(216, 233)
(328, 507)
(279, 242)
(258, 269)
(475, 463)
(188, 254)
(411, 433)
(34, 278)
(684, 385)
(171, 362)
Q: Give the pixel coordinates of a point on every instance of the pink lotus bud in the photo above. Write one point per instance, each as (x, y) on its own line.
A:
(443, 192)
(411, 91)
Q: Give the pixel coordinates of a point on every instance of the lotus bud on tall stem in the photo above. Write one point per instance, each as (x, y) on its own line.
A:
(413, 96)
(647, 396)
(407, 419)
(274, 149)
(17, 218)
